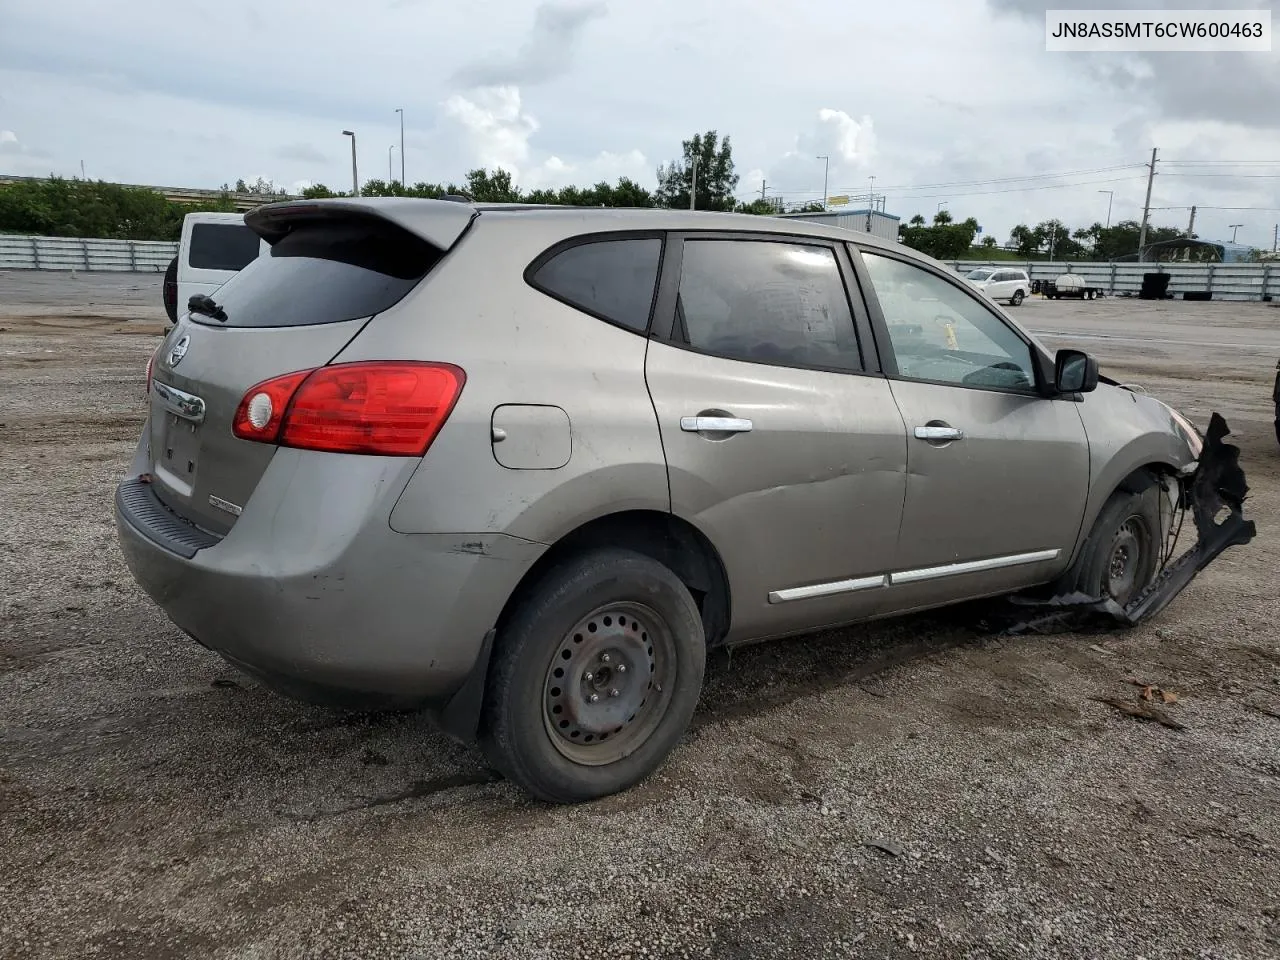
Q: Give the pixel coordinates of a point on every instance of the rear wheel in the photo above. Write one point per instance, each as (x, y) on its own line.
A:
(1120, 557)
(1017, 298)
(595, 677)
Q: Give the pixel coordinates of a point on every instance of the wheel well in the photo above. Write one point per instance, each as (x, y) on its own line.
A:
(1144, 477)
(673, 542)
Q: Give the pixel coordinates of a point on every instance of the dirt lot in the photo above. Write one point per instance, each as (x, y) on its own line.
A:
(154, 803)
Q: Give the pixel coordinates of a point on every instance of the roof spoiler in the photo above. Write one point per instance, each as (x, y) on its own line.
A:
(439, 222)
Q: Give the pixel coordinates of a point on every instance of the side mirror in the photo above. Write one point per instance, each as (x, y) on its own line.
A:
(1075, 372)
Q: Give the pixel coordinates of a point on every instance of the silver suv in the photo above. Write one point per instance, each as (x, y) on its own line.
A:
(523, 466)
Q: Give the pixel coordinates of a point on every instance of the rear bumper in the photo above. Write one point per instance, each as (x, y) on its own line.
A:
(320, 598)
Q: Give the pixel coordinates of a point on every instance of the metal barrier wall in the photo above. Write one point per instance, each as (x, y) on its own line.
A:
(19, 252)
(1225, 281)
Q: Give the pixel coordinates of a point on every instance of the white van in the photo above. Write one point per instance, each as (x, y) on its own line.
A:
(214, 247)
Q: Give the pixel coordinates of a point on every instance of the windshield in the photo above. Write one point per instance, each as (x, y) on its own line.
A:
(978, 275)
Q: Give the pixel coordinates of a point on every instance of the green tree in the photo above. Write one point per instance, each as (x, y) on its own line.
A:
(989, 242)
(317, 191)
(87, 208)
(759, 207)
(716, 181)
(943, 239)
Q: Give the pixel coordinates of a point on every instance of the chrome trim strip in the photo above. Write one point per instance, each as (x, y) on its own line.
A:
(972, 566)
(827, 589)
(178, 402)
(715, 425)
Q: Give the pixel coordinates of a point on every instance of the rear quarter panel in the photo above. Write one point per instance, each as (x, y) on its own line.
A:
(519, 346)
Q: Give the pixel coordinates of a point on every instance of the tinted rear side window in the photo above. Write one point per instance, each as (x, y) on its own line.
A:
(766, 302)
(612, 279)
(325, 272)
(222, 246)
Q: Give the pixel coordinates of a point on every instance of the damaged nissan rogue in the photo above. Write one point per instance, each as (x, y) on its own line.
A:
(525, 466)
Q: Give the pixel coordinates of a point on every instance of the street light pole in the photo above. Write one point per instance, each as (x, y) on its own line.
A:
(826, 169)
(400, 110)
(693, 185)
(355, 179)
(1110, 195)
(1234, 227)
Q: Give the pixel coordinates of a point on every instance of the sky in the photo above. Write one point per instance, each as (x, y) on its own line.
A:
(943, 102)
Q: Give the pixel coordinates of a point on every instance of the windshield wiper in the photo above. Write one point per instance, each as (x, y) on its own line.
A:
(202, 304)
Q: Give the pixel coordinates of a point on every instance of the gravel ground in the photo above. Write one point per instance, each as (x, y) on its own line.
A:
(907, 788)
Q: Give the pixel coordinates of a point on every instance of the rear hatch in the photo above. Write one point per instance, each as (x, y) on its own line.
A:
(331, 267)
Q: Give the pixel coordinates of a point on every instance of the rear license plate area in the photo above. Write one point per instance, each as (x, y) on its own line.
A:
(179, 451)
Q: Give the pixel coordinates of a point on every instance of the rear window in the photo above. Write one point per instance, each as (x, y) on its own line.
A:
(611, 279)
(325, 272)
(222, 246)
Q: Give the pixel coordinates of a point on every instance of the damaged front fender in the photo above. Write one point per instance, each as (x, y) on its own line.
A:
(1217, 484)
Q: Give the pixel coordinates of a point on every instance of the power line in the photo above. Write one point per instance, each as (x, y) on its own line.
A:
(1233, 176)
(899, 188)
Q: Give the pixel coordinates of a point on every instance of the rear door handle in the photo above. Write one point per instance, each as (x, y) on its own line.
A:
(715, 425)
(935, 433)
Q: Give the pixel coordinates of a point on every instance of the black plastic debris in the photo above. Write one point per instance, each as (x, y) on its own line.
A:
(1218, 482)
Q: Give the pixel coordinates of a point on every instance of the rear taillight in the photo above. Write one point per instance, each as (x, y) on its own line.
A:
(384, 408)
(151, 365)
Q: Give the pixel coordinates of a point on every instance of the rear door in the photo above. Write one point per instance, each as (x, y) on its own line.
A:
(294, 308)
(997, 474)
(783, 445)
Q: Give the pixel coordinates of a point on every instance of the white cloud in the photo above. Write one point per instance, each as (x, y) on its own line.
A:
(495, 127)
(8, 136)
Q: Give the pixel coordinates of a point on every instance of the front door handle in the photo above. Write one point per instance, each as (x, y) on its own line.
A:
(936, 434)
(715, 425)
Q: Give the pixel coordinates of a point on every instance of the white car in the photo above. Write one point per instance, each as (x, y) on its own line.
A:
(1001, 284)
(213, 249)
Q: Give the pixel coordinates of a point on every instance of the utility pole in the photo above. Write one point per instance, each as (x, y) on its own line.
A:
(1234, 227)
(1191, 224)
(693, 185)
(826, 169)
(355, 179)
(400, 110)
(1275, 240)
(391, 179)
(1053, 236)
(1146, 206)
(763, 184)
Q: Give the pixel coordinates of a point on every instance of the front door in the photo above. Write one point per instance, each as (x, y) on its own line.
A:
(997, 474)
(782, 446)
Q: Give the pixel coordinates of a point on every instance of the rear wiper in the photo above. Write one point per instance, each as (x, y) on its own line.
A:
(205, 305)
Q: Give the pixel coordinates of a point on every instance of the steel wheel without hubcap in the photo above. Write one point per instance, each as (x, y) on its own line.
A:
(608, 685)
(1127, 557)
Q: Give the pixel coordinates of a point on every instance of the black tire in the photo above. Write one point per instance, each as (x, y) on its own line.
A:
(537, 718)
(1016, 300)
(1122, 553)
(169, 290)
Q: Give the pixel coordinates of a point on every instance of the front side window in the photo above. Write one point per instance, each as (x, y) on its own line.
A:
(613, 279)
(940, 333)
(766, 302)
(978, 275)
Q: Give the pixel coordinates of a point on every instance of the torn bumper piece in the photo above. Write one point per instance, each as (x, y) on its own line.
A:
(1217, 482)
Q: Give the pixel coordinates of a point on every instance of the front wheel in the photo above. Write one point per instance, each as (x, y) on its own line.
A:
(594, 678)
(1120, 558)
(1017, 298)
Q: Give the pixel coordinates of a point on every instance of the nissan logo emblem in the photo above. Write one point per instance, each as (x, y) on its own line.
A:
(179, 350)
